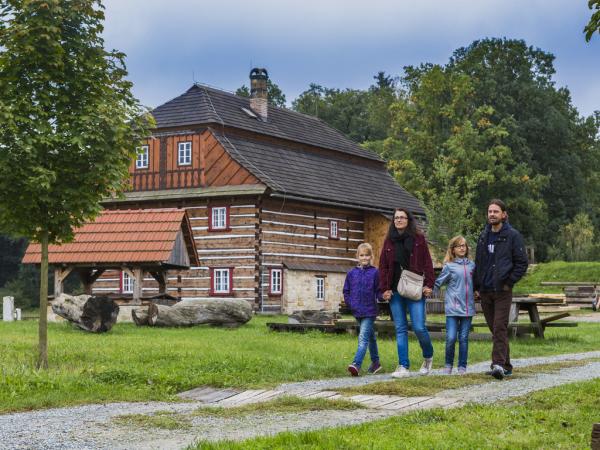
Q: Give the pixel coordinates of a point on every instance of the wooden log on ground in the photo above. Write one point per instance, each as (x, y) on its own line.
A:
(596, 437)
(219, 312)
(94, 314)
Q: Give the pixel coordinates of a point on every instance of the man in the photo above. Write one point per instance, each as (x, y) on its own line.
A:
(500, 262)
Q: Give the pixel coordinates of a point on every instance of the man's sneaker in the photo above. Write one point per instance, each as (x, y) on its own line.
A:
(353, 369)
(374, 367)
(462, 370)
(497, 372)
(400, 372)
(507, 373)
(447, 370)
(426, 366)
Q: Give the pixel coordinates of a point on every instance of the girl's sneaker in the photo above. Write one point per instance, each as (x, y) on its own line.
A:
(426, 366)
(400, 372)
(448, 370)
(353, 369)
(374, 367)
(462, 370)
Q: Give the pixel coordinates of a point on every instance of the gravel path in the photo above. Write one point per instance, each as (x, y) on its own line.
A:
(90, 426)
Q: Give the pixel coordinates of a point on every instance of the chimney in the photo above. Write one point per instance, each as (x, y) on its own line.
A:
(258, 92)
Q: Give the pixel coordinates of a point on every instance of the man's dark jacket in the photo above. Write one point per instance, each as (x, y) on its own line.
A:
(509, 259)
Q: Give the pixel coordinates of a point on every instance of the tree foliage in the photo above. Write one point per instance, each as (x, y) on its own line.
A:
(275, 95)
(593, 25)
(69, 123)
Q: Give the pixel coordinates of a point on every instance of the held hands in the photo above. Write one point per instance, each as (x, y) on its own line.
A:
(387, 295)
(427, 291)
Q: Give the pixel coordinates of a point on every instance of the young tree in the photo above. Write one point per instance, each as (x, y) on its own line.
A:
(69, 123)
(593, 25)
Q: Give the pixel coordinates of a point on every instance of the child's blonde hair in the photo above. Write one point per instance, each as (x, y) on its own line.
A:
(364, 246)
(456, 240)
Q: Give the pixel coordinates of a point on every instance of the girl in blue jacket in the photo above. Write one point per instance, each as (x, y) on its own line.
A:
(361, 291)
(459, 301)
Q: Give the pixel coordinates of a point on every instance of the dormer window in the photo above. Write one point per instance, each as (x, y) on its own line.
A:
(334, 229)
(184, 153)
(218, 219)
(141, 160)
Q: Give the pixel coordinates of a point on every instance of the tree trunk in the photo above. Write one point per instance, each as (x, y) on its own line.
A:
(95, 314)
(313, 316)
(223, 312)
(42, 362)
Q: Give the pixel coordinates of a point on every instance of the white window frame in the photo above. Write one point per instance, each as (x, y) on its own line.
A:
(221, 277)
(276, 282)
(320, 288)
(127, 283)
(142, 160)
(218, 218)
(334, 229)
(184, 153)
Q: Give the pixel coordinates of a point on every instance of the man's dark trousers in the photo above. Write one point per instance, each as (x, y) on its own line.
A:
(496, 309)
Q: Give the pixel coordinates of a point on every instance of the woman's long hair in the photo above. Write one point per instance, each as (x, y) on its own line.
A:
(412, 229)
(456, 240)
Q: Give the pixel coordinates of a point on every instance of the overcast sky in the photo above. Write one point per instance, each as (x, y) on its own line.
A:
(335, 43)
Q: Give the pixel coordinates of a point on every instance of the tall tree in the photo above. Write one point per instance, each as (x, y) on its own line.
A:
(69, 123)
(275, 95)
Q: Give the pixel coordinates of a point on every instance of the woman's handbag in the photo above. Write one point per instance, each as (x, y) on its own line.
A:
(410, 285)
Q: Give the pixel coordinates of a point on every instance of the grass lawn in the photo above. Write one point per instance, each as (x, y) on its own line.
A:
(557, 271)
(561, 417)
(139, 363)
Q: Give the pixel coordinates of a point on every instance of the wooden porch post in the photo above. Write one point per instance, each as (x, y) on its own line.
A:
(60, 275)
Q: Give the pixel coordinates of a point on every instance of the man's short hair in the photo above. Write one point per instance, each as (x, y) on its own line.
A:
(499, 203)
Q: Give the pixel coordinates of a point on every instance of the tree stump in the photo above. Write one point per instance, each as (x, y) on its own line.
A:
(218, 312)
(313, 316)
(596, 437)
(94, 314)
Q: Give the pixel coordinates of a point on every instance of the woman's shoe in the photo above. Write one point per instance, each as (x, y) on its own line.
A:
(448, 370)
(426, 366)
(400, 372)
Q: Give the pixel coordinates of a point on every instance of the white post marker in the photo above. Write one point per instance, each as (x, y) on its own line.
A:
(17, 313)
(8, 309)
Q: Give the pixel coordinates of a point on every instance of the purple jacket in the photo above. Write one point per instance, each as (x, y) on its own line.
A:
(361, 291)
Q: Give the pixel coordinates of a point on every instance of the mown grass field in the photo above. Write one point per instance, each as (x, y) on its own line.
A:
(561, 417)
(137, 363)
(557, 271)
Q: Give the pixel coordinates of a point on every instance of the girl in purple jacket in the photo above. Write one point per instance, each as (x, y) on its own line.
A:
(361, 291)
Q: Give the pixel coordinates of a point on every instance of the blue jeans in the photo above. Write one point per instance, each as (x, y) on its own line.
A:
(366, 339)
(399, 306)
(457, 326)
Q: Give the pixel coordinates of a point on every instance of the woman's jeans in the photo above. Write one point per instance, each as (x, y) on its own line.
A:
(457, 326)
(399, 306)
(366, 339)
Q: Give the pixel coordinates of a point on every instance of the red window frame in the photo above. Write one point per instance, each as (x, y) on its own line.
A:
(273, 293)
(212, 291)
(337, 228)
(227, 218)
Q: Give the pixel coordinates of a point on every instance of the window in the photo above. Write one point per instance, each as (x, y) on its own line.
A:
(127, 283)
(141, 161)
(320, 288)
(185, 154)
(276, 282)
(334, 229)
(221, 281)
(218, 218)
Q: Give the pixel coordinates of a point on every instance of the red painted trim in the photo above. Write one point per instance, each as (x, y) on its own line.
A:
(227, 218)
(337, 229)
(271, 293)
(121, 282)
(211, 291)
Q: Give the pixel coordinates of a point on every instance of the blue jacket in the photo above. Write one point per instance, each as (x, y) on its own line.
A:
(361, 291)
(459, 298)
(509, 260)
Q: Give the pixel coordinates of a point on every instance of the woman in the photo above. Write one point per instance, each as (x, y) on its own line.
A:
(405, 248)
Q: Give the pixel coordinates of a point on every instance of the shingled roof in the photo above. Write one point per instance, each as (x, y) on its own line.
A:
(320, 176)
(153, 237)
(205, 105)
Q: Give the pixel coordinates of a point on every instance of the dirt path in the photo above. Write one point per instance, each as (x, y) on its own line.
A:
(92, 426)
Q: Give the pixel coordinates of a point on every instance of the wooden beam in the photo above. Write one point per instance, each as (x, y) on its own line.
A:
(60, 274)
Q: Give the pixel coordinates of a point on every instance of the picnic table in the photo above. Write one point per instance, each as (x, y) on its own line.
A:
(536, 324)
